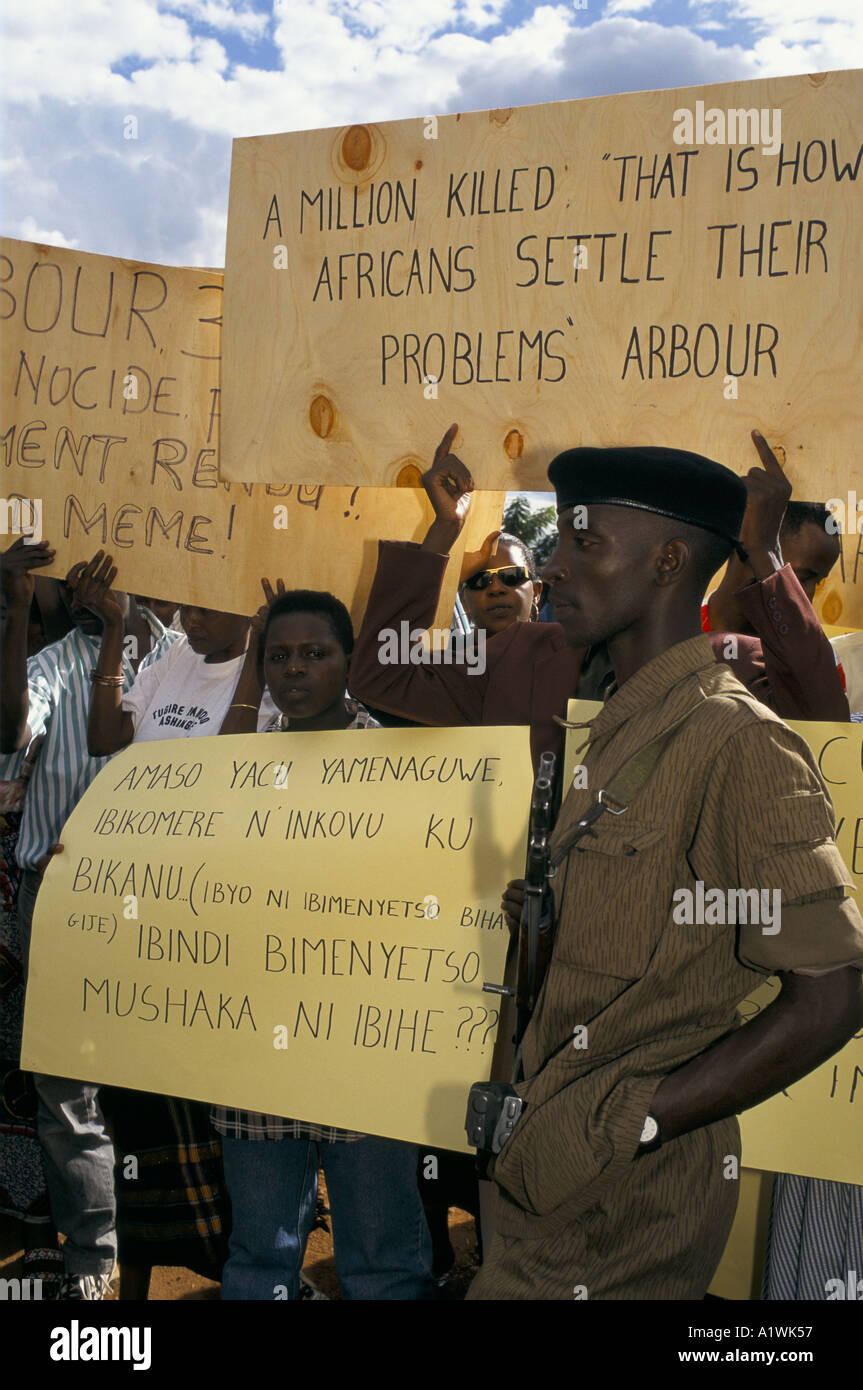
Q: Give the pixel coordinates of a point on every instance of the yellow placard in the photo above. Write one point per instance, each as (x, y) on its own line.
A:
(742, 1265)
(813, 1128)
(111, 406)
(298, 923)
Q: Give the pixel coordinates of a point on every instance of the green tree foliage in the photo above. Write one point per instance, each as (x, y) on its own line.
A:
(537, 528)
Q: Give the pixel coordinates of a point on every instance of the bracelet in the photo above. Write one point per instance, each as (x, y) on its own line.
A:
(112, 681)
(239, 706)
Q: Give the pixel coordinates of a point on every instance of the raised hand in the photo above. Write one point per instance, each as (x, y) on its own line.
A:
(769, 492)
(449, 485)
(475, 560)
(16, 567)
(91, 583)
(270, 596)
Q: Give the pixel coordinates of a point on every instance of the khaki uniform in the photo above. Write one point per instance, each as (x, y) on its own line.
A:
(735, 801)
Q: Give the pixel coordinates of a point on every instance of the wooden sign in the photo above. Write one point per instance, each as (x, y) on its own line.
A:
(839, 598)
(667, 268)
(297, 923)
(111, 406)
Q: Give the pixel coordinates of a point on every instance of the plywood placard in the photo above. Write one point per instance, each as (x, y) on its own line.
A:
(839, 598)
(299, 924)
(111, 407)
(671, 268)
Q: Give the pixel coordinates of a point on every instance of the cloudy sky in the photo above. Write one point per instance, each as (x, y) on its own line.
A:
(194, 73)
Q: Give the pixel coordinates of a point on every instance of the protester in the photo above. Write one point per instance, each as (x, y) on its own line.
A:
(815, 1238)
(164, 609)
(531, 672)
(498, 583)
(807, 548)
(619, 1179)
(505, 590)
(23, 1186)
(381, 1240)
(46, 697)
(172, 1208)
(187, 695)
(49, 613)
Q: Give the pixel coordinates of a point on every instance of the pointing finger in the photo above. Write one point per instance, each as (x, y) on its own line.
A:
(445, 445)
(768, 458)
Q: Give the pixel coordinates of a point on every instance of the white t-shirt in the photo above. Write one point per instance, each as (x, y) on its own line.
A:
(184, 696)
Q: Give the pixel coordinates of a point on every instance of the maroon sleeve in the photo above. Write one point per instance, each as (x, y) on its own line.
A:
(799, 662)
(406, 588)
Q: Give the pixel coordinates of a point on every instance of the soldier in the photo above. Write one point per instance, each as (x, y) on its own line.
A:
(620, 1177)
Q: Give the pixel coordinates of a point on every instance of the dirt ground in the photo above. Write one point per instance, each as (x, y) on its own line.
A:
(173, 1284)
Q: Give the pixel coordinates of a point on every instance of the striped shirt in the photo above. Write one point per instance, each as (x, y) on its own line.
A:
(58, 679)
(249, 1124)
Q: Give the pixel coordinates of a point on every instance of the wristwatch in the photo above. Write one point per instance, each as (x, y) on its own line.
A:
(651, 1138)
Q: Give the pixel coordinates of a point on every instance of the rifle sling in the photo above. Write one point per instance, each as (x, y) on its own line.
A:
(625, 785)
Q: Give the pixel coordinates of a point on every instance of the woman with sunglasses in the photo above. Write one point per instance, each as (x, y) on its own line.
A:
(528, 672)
(504, 591)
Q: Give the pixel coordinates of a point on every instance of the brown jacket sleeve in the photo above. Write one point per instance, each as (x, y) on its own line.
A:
(406, 588)
(791, 667)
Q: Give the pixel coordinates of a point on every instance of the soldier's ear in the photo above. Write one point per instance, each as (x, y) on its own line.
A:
(672, 561)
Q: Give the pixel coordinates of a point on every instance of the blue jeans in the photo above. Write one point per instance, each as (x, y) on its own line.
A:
(76, 1148)
(381, 1239)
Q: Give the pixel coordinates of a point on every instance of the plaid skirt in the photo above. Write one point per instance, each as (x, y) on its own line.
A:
(172, 1203)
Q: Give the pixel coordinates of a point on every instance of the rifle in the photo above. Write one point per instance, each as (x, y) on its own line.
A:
(493, 1107)
(535, 936)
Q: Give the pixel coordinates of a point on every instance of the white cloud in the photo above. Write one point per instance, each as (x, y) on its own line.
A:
(250, 24)
(615, 7)
(28, 229)
(795, 35)
(164, 195)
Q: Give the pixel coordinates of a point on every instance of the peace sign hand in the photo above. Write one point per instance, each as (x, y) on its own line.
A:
(260, 618)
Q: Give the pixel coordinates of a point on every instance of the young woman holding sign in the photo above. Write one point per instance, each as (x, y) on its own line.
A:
(381, 1239)
(171, 1202)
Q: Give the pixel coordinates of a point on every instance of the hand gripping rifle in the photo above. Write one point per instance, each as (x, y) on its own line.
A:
(535, 935)
(493, 1107)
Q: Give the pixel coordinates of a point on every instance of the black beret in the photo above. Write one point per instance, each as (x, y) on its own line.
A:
(670, 482)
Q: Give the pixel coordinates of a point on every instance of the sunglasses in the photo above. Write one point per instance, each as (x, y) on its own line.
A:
(510, 575)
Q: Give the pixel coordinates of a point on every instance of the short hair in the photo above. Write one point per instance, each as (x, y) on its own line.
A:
(315, 601)
(708, 550)
(710, 553)
(529, 562)
(799, 514)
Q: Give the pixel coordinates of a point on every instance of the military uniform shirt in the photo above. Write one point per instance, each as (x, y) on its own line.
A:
(735, 801)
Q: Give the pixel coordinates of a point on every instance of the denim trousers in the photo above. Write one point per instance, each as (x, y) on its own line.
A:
(380, 1234)
(77, 1150)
